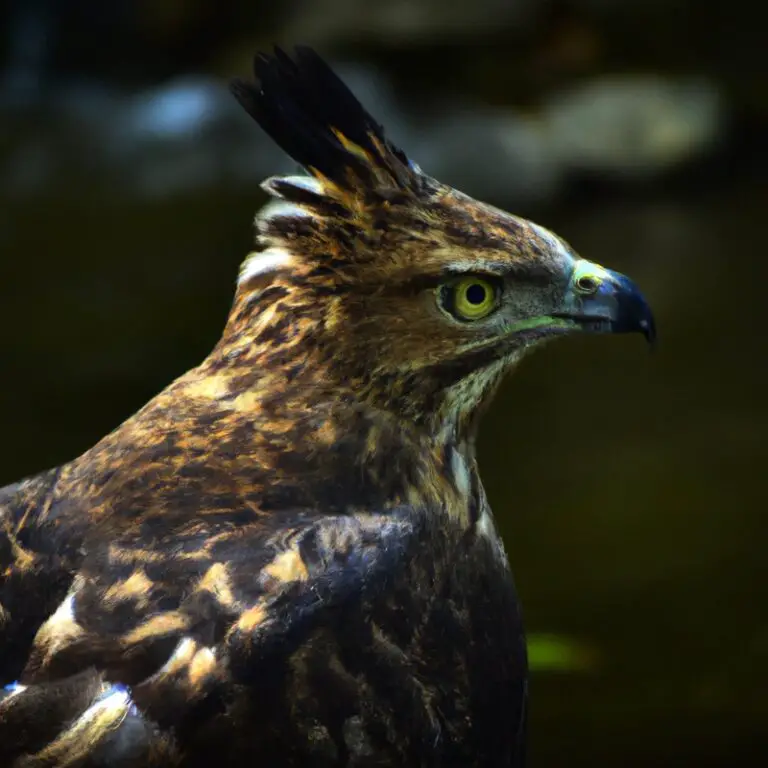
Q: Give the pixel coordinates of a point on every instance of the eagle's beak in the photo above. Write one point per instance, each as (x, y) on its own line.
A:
(599, 300)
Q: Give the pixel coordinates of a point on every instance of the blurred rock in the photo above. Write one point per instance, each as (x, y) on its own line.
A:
(397, 21)
(494, 154)
(180, 136)
(633, 126)
(189, 134)
(177, 110)
(26, 40)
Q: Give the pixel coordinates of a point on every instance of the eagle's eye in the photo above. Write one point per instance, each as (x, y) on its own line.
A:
(469, 298)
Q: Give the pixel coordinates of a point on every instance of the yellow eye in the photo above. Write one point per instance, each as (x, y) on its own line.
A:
(470, 298)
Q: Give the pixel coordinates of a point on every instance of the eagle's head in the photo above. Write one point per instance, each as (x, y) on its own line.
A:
(373, 282)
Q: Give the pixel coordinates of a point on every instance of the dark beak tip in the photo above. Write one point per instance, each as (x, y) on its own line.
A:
(648, 329)
(634, 311)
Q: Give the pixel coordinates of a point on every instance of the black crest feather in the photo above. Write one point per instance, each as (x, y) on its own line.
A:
(304, 107)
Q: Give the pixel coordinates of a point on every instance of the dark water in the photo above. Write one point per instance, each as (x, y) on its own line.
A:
(631, 488)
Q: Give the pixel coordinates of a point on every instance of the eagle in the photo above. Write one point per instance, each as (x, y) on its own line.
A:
(287, 558)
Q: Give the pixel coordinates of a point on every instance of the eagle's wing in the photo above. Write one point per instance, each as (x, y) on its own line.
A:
(161, 645)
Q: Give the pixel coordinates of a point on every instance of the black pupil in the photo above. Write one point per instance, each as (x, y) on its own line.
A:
(476, 293)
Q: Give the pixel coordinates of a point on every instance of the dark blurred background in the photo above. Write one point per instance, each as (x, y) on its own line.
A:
(631, 489)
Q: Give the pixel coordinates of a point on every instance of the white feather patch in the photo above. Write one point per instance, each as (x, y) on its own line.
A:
(114, 703)
(14, 689)
(263, 262)
(277, 209)
(309, 183)
(485, 525)
(65, 613)
(61, 627)
(183, 652)
(461, 476)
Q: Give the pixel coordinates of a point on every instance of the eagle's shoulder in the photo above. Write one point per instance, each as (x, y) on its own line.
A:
(184, 632)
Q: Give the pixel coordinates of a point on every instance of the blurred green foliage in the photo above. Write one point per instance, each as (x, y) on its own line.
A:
(556, 653)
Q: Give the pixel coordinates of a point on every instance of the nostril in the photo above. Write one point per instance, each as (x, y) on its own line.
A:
(587, 284)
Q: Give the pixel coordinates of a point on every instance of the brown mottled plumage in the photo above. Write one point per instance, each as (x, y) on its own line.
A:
(287, 557)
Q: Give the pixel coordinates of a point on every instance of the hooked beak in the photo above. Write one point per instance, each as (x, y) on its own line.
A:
(599, 300)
